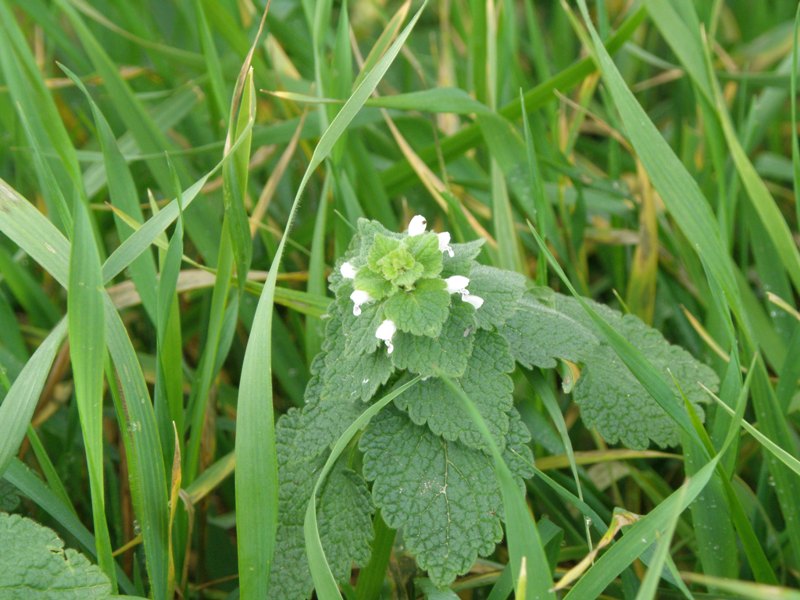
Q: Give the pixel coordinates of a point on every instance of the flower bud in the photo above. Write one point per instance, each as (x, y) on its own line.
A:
(417, 225)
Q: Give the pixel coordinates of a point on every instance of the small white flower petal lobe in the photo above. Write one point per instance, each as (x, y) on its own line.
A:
(347, 270)
(417, 225)
(476, 301)
(359, 297)
(385, 332)
(444, 243)
(457, 284)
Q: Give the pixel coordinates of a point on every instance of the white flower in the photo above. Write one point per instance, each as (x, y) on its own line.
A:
(476, 301)
(417, 225)
(347, 270)
(385, 332)
(444, 243)
(457, 284)
(359, 297)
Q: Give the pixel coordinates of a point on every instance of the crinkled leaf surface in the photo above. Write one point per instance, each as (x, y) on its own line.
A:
(612, 399)
(448, 353)
(462, 260)
(425, 249)
(9, 496)
(485, 381)
(35, 565)
(538, 334)
(359, 332)
(443, 494)
(345, 510)
(500, 290)
(421, 311)
(345, 521)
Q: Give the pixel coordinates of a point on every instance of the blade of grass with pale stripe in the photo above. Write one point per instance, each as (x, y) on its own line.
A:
(87, 349)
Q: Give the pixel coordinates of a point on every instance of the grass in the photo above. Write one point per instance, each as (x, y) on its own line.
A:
(175, 187)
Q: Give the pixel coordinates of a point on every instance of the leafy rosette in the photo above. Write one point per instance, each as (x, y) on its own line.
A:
(414, 304)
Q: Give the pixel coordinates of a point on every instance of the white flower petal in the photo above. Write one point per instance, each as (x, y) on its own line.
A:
(476, 301)
(417, 225)
(386, 330)
(444, 243)
(359, 297)
(347, 270)
(457, 284)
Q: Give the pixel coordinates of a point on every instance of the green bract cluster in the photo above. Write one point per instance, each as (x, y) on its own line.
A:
(412, 304)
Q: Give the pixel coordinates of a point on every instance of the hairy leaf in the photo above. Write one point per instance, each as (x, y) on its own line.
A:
(421, 311)
(612, 399)
(485, 381)
(463, 258)
(500, 290)
(539, 334)
(34, 564)
(443, 494)
(447, 353)
(345, 510)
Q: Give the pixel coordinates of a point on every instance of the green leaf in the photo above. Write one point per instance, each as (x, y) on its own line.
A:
(17, 407)
(9, 497)
(540, 334)
(375, 284)
(613, 400)
(462, 260)
(34, 564)
(432, 403)
(345, 521)
(345, 511)
(500, 290)
(359, 332)
(425, 249)
(448, 353)
(348, 375)
(421, 311)
(88, 350)
(443, 494)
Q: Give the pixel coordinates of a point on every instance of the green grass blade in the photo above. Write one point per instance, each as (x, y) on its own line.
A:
(20, 401)
(793, 103)
(234, 178)
(122, 190)
(400, 175)
(650, 582)
(143, 448)
(87, 348)
(640, 536)
(679, 191)
(33, 233)
(149, 137)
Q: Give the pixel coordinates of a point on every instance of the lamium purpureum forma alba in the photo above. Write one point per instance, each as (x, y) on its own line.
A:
(416, 304)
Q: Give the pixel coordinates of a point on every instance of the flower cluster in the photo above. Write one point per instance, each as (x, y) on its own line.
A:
(399, 264)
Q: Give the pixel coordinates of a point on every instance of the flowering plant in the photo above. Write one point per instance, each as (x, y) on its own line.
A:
(413, 304)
